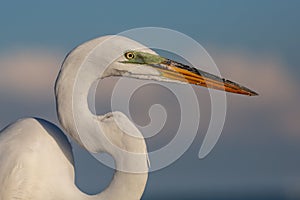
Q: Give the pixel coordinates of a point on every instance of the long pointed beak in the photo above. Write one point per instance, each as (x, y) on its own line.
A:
(183, 73)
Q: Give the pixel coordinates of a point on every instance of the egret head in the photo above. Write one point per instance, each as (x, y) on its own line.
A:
(150, 66)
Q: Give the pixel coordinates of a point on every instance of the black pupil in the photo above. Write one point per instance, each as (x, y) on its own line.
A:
(129, 55)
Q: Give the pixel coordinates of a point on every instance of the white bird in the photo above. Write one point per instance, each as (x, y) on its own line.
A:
(36, 160)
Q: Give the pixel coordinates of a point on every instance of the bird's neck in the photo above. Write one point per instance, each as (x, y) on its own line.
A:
(72, 88)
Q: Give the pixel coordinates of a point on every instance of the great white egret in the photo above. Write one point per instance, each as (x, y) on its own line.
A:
(36, 157)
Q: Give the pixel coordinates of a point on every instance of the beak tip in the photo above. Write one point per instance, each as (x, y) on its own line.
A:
(252, 93)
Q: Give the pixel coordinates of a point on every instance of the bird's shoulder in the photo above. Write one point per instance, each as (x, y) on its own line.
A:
(28, 147)
(31, 132)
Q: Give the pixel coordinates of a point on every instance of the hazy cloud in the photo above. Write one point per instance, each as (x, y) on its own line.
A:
(269, 76)
(29, 72)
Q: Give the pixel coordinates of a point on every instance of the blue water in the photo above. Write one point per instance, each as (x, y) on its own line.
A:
(270, 196)
(251, 197)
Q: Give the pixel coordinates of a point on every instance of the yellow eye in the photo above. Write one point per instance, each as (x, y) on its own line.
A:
(129, 55)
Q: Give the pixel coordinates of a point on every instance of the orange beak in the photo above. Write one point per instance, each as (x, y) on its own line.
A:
(183, 73)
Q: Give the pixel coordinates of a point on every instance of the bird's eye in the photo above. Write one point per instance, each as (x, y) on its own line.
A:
(129, 55)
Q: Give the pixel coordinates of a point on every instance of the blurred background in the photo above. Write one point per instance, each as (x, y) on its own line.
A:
(252, 42)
